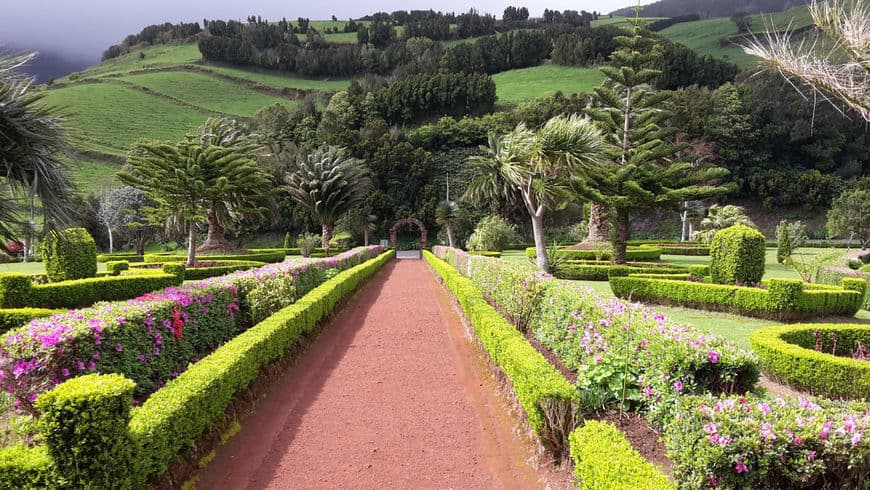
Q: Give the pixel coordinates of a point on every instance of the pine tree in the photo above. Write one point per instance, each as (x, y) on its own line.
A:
(645, 170)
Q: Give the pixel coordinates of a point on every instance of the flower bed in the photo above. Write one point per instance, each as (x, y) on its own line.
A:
(803, 356)
(19, 290)
(154, 337)
(783, 299)
(639, 253)
(749, 442)
(15, 317)
(93, 439)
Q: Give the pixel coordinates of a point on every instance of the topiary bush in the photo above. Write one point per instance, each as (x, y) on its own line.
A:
(737, 256)
(69, 254)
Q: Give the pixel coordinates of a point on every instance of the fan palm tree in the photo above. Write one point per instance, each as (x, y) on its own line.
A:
(32, 144)
(447, 215)
(539, 165)
(842, 72)
(327, 182)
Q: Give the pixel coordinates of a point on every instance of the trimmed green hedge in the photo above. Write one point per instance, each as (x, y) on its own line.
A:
(94, 440)
(494, 255)
(694, 250)
(605, 460)
(640, 253)
(69, 254)
(296, 250)
(549, 400)
(197, 273)
(787, 355)
(737, 255)
(15, 317)
(599, 272)
(17, 290)
(784, 299)
(269, 257)
(835, 275)
(127, 256)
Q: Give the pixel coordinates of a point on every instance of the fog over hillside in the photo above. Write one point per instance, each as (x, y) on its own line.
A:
(80, 30)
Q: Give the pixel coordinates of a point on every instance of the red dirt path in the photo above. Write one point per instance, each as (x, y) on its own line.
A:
(391, 395)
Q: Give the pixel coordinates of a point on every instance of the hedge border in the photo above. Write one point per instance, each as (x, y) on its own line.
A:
(809, 370)
(537, 384)
(639, 253)
(268, 257)
(198, 273)
(180, 412)
(605, 460)
(594, 272)
(785, 299)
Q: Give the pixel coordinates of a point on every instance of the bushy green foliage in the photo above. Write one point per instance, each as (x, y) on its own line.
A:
(176, 269)
(788, 354)
(737, 256)
(16, 290)
(15, 317)
(850, 214)
(69, 254)
(748, 441)
(784, 299)
(789, 236)
(605, 460)
(492, 234)
(115, 267)
(288, 240)
(548, 399)
(84, 425)
(27, 468)
(307, 243)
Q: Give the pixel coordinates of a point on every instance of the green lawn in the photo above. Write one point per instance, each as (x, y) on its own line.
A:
(280, 80)
(733, 327)
(89, 175)
(35, 267)
(108, 117)
(516, 86)
(207, 92)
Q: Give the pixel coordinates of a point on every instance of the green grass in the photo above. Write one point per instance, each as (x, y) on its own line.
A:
(703, 36)
(89, 175)
(280, 80)
(516, 86)
(35, 267)
(108, 117)
(621, 21)
(207, 92)
(160, 56)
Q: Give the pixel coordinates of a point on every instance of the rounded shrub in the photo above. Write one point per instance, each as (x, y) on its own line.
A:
(492, 234)
(737, 255)
(69, 254)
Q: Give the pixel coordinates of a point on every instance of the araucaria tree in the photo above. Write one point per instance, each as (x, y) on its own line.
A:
(32, 143)
(644, 169)
(186, 179)
(842, 73)
(328, 183)
(540, 166)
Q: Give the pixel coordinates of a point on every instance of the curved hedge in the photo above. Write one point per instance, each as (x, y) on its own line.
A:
(639, 253)
(787, 355)
(605, 460)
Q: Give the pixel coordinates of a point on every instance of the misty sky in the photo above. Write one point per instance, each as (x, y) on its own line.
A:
(84, 28)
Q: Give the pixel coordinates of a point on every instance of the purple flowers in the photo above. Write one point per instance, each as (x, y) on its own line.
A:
(741, 467)
(713, 356)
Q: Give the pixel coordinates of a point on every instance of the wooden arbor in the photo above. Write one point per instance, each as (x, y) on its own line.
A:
(408, 221)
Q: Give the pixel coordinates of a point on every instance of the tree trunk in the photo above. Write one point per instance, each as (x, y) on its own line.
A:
(450, 236)
(111, 240)
(540, 246)
(326, 237)
(191, 243)
(684, 218)
(622, 234)
(216, 239)
(366, 237)
(691, 229)
(26, 251)
(140, 245)
(599, 227)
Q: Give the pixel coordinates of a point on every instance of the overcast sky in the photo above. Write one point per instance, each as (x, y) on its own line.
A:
(84, 28)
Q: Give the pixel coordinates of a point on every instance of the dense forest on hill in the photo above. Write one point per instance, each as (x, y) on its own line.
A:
(710, 8)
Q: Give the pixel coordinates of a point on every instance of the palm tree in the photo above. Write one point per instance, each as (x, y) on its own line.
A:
(32, 144)
(447, 215)
(539, 166)
(843, 72)
(488, 185)
(328, 183)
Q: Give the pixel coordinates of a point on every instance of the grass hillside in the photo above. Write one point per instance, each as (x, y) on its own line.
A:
(515, 86)
(712, 36)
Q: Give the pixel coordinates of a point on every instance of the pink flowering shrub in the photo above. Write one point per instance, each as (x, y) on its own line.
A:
(752, 442)
(153, 338)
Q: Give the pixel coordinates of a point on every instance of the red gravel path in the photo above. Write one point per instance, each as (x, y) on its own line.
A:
(391, 395)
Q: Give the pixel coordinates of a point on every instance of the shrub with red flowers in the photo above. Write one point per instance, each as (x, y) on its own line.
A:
(753, 442)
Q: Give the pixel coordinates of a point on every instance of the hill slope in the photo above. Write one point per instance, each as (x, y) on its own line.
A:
(711, 8)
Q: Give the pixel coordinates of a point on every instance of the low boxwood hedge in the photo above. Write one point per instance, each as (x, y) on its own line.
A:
(693, 250)
(220, 268)
(577, 270)
(548, 399)
(296, 250)
(128, 256)
(15, 317)
(605, 460)
(494, 255)
(18, 291)
(784, 299)
(112, 446)
(639, 253)
(788, 354)
(835, 275)
(273, 256)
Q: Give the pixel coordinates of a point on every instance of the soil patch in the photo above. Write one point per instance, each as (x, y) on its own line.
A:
(642, 437)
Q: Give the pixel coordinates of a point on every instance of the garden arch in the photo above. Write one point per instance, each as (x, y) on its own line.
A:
(408, 221)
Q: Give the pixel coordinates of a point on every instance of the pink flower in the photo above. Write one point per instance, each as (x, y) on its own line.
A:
(856, 438)
(713, 356)
(678, 386)
(740, 467)
(119, 347)
(710, 428)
